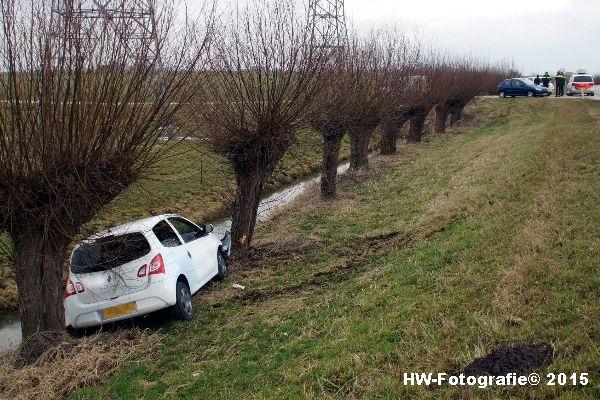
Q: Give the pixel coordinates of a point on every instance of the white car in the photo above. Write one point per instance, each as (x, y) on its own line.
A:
(141, 267)
(580, 84)
(548, 90)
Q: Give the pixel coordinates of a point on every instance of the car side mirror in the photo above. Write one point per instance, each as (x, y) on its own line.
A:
(208, 228)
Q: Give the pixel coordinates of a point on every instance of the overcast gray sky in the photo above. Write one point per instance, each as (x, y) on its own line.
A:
(538, 35)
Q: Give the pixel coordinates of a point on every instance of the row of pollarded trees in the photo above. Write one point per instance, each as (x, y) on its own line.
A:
(266, 81)
(83, 107)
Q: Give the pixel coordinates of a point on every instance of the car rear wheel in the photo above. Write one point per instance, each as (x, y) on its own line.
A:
(223, 264)
(183, 309)
(501, 95)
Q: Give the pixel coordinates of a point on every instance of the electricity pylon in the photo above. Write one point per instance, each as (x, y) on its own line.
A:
(328, 22)
(138, 16)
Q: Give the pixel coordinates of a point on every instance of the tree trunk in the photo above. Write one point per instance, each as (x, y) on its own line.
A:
(331, 151)
(38, 260)
(417, 122)
(456, 114)
(245, 207)
(359, 147)
(441, 116)
(389, 135)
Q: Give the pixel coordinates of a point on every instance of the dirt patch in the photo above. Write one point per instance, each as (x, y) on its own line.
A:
(518, 359)
(271, 253)
(270, 256)
(68, 363)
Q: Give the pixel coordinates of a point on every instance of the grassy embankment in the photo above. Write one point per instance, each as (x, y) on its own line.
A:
(451, 249)
(191, 181)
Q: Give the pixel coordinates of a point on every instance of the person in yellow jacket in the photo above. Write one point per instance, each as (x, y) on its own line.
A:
(560, 80)
(546, 79)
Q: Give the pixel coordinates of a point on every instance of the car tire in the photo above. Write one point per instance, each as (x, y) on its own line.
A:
(501, 95)
(530, 94)
(223, 265)
(183, 309)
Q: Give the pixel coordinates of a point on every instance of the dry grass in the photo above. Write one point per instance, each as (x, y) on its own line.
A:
(71, 364)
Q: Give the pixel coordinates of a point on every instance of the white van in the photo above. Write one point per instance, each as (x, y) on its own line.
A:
(580, 84)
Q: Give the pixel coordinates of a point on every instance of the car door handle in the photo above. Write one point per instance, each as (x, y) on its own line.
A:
(189, 255)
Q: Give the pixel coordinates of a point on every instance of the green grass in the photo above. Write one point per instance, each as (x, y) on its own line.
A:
(419, 268)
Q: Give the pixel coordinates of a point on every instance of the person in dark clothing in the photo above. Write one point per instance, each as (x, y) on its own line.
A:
(560, 84)
(537, 80)
(546, 80)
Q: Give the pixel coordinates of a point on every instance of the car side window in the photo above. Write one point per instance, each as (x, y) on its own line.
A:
(166, 235)
(187, 230)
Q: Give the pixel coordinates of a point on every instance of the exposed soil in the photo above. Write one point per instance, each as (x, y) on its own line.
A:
(518, 359)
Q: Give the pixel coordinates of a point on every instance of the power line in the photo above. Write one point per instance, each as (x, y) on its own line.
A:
(328, 21)
(139, 16)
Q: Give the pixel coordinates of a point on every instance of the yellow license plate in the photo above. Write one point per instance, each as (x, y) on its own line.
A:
(117, 311)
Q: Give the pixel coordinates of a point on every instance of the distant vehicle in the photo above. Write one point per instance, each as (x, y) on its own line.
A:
(580, 83)
(549, 89)
(519, 87)
(141, 267)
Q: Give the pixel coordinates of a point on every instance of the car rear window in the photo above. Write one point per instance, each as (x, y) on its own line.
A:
(583, 78)
(109, 252)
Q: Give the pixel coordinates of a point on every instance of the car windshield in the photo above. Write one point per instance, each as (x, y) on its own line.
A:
(108, 252)
(527, 82)
(583, 78)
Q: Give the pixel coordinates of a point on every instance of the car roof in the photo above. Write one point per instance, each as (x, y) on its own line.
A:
(141, 225)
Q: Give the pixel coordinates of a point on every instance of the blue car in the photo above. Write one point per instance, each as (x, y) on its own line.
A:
(519, 87)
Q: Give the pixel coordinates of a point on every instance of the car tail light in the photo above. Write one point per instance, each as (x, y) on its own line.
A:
(157, 265)
(73, 288)
(143, 271)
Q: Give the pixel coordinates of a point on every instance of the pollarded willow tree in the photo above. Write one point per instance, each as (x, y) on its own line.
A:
(330, 118)
(263, 85)
(370, 65)
(407, 90)
(83, 107)
(464, 86)
(469, 78)
(487, 78)
(435, 79)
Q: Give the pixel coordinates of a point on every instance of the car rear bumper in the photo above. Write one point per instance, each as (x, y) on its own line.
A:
(585, 91)
(157, 296)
